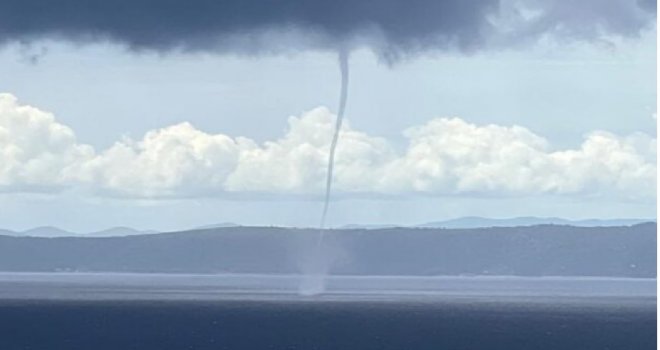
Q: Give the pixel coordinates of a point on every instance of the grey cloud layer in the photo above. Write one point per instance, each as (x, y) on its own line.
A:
(389, 27)
(581, 20)
(238, 24)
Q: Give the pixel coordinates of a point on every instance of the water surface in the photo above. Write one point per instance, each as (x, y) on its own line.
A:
(117, 311)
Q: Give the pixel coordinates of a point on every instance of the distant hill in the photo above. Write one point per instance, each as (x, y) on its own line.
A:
(544, 250)
(476, 221)
(52, 232)
(119, 231)
(220, 225)
(464, 222)
(7, 233)
(46, 231)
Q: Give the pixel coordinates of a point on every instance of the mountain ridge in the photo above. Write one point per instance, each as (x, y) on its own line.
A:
(543, 250)
(461, 222)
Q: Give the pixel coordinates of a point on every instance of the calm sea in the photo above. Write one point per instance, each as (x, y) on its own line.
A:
(84, 315)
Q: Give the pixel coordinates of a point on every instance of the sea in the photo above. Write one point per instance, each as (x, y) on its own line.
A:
(95, 311)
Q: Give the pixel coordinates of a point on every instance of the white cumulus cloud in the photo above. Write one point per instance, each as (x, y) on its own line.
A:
(35, 151)
(445, 156)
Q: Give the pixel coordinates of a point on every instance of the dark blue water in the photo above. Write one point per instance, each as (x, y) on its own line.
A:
(606, 323)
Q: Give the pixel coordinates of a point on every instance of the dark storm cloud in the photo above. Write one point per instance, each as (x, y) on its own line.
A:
(221, 24)
(386, 26)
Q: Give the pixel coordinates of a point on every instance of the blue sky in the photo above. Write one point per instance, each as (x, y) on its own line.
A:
(176, 140)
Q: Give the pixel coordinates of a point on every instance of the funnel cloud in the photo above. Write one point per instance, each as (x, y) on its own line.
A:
(343, 66)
